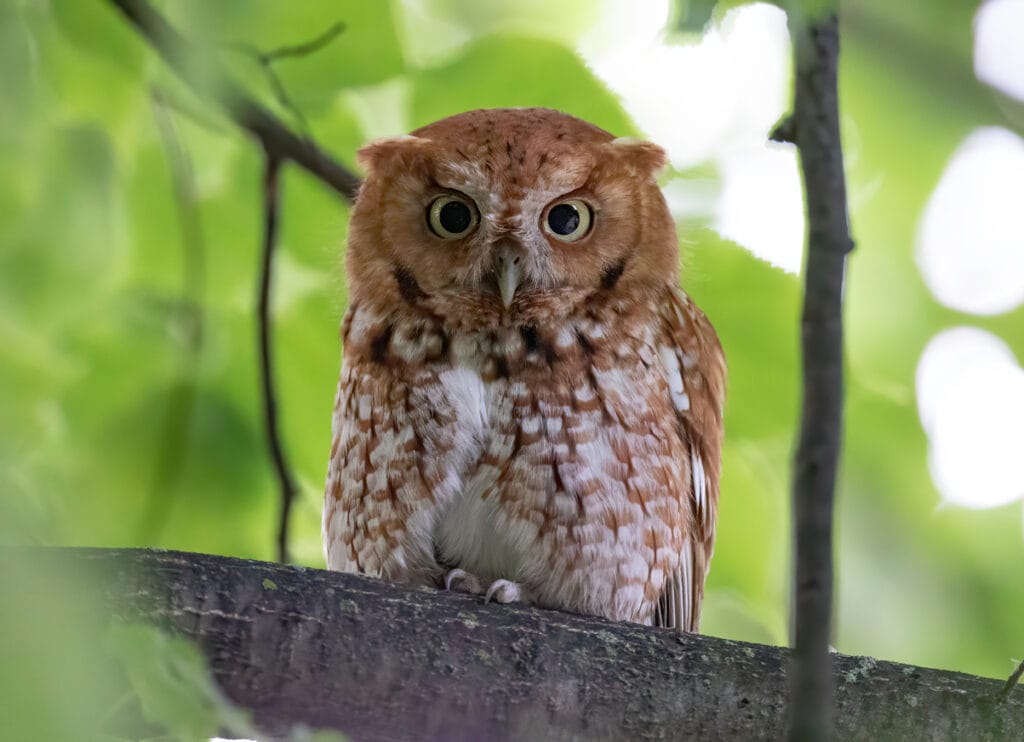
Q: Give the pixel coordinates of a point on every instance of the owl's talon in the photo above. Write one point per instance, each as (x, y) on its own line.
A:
(461, 581)
(503, 591)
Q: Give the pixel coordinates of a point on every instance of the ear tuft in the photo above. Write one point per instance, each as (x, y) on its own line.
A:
(644, 157)
(381, 151)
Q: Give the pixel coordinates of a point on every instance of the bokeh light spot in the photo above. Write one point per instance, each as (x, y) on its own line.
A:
(697, 99)
(713, 100)
(999, 45)
(761, 207)
(971, 237)
(970, 396)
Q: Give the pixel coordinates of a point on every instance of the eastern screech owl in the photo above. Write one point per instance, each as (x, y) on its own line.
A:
(529, 406)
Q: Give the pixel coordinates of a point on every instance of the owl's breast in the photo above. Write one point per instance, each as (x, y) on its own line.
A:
(573, 432)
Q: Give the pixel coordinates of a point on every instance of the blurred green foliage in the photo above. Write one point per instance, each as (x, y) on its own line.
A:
(68, 673)
(129, 412)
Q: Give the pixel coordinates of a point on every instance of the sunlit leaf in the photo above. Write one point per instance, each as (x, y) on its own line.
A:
(503, 71)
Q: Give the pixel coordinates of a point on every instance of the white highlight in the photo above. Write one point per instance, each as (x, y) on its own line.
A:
(700, 481)
(761, 206)
(971, 237)
(727, 89)
(465, 390)
(674, 376)
(999, 45)
(970, 395)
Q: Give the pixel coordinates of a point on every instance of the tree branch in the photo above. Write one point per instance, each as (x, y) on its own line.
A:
(814, 127)
(379, 661)
(266, 59)
(279, 144)
(271, 204)
(212, 84)
(1011, 682)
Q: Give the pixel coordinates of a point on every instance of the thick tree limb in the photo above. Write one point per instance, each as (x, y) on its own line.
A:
(211, 83)
(383, 662)
(814, 127)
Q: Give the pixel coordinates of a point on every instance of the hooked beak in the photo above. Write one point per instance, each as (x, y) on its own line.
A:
(509, 275)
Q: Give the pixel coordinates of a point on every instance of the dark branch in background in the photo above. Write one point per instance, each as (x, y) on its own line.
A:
(814, 127)
(187, 107)
(266, 59)
(279, 144)
(188, 315)
(286, 481)
(1011, 682)
(381, 661)
(211, 83)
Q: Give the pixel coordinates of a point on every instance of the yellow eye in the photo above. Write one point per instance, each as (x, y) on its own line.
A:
(568, 220)
(451, 217)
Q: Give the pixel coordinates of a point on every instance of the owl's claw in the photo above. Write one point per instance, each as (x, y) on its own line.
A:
(459, 580)
(503, 591)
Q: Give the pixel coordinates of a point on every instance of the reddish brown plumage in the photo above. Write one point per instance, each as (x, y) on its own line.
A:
(567, 442)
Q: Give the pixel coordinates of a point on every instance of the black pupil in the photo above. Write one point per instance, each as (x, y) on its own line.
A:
(455, 217)
(564, 219)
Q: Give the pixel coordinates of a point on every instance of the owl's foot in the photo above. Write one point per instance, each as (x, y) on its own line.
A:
(461, 581)
(504, 591)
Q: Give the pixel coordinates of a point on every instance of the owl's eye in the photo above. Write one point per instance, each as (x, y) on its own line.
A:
(451, 217)
(568, 221)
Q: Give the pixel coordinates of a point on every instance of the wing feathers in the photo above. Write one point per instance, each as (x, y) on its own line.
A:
(695, 371)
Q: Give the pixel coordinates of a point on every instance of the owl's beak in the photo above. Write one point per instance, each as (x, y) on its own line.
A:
(509, 275)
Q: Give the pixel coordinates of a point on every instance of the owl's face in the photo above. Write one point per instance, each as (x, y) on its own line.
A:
(506, 205)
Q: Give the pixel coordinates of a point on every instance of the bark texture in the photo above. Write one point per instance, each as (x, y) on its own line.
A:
(379, 661)
(815, 130)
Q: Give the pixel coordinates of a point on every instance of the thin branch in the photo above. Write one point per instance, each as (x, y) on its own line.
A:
(271, 207)
(212, 84)
(1011, 682)
(189, 313)
(266, 59)
(815, 129)
(305, 48)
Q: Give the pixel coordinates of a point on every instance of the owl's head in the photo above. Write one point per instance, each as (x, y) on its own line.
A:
(502, 206)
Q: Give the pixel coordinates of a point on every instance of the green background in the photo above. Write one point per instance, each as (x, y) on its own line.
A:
(129, 407)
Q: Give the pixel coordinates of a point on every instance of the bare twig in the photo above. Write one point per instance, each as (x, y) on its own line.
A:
(280, 93)
(305, 48)
(279, 144)
(266, 59)
(189, 313)
(815, 129)
(1011, 682)
(271, 205)
(211, 83)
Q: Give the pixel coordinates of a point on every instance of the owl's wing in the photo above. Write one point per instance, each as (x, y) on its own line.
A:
(695, 367)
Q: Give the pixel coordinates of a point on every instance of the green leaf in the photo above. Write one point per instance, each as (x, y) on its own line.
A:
(504, 71)
(693, 16)
(366, 52)
(173, 684)
(100, 31)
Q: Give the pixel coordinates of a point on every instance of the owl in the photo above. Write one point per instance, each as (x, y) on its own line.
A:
(529, 407)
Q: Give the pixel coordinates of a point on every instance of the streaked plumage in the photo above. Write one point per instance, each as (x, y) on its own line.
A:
(517, 411)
